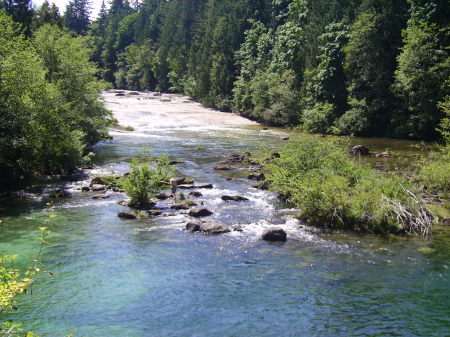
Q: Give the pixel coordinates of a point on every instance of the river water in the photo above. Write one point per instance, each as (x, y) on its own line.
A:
(149, 277)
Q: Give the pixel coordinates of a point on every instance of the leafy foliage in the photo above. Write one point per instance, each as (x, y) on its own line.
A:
(49, 102)
(145, 180)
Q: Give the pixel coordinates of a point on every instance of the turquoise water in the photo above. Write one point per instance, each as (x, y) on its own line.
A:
(149, 277)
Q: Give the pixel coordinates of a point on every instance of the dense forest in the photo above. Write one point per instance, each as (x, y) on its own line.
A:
(345, 67)
(362, 67)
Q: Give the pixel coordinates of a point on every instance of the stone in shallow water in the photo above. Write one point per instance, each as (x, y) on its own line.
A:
(274, 234)
(200, 212)
(126, 215)
(233, 198)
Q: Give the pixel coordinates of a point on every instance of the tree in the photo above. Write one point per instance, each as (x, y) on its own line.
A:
(423, 70)
(77, 15)
(47, 14)
(21, 12)
(370, 63)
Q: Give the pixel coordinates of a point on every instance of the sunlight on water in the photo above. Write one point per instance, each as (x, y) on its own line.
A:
(149, 277)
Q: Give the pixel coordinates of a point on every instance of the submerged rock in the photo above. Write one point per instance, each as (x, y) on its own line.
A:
(101, 196)
(359, 150)
(274, 234)
(224, 168)
(126, 215)
(58, 193)
(200, 212)
(233, 198)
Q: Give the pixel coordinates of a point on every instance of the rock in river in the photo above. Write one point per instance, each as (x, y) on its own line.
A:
(224, 168)
(195, 194)
(199, 212)
(214, 228)
(126, 215)
(359, 150)
(233, 198)
(97, 187)
(274, 234)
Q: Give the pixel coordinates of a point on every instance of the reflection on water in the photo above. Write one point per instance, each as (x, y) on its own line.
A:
(151, 278)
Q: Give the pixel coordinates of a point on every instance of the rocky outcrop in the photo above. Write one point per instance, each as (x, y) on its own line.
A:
(359, 150)
(199, 212)
(274, 234)
(233, 198)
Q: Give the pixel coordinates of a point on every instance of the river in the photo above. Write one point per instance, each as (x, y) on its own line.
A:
(149, 277)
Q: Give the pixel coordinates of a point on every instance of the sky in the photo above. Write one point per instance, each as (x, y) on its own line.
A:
(95, 4)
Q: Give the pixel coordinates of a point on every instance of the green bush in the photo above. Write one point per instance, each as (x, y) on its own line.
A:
(146, 180)
(333, 190)
(435, 174)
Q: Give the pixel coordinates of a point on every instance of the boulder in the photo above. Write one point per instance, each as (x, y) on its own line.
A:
(275, 155)
(274, 234)
(446, 221)
(133, 93)
(359, 150)
(204, 186)
(199, 212)
(233, 198)
(154, 212)
(120, 94)
(85, 189)
(385, 154)
(195, 194)
(126, 215)
(193, 227)
(224, 168)
(179, 206)
(237, 229)
(214, 228)
(97, 187)
(256, 176)
(238, 157)
(262, 185)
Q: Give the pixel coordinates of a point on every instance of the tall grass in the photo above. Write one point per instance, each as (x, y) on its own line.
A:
(334, 190)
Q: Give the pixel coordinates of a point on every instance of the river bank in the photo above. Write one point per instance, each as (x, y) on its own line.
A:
(150, 277)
